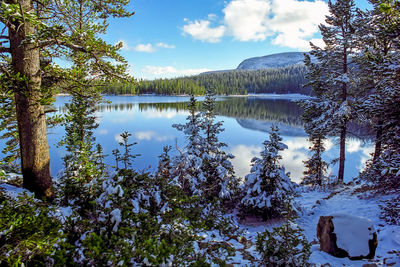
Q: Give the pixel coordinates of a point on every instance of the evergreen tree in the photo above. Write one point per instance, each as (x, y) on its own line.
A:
(216, 165)
(332, 75)
(187, 165)
(378, 33)
(165, 164)
(285, 245)
(379, 74)
(83, 164)
(127, 156)
(8, 130)
(203, 169)
(315, 166)
(36, 33)
(267, 188)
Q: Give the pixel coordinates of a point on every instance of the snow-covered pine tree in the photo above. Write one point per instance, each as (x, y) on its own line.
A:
(285, 245)
(268, 187)
(81, 161)
(378, 31)
(164, 163)
(316, 167)
(217, 168)
(385, 170)
(380, 69)
(331, 74)
(187, 165)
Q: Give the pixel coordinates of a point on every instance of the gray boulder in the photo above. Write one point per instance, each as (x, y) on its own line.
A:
(343, 235)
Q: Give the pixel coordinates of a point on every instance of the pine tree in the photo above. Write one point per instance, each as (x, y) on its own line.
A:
(267, 188)
(187, 165)
(332, 75)
(127, 157)
(217, 167)
(36, 32)
(82, 165)
(315, 166)
(379, 73)
(378, 33)
(285, 245)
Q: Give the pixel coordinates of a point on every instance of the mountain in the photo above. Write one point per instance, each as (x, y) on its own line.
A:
(272, 61)
(265, 126)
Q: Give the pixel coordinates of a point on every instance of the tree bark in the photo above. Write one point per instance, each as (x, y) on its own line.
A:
(378, 140)
(342, 157)
(35, 159)
(343, 128)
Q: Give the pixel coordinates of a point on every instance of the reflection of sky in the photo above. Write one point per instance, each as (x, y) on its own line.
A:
(152, 130)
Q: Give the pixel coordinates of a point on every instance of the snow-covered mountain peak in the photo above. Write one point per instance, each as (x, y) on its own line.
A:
(272, 61)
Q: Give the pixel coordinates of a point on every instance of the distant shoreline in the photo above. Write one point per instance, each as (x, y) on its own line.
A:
(272, 95)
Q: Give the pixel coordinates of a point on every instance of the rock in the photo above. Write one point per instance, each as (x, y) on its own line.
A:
(369, 265)
(350, 236)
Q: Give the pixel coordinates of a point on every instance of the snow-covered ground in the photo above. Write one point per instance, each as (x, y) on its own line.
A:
(344, 202)
(314, 204)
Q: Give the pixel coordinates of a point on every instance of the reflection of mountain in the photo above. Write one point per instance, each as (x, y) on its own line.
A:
(265, 126)
(278, 110)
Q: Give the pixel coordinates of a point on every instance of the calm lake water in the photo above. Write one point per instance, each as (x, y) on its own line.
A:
(247, 121)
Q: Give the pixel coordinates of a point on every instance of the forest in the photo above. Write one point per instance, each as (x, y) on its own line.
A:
(286, 80)
(193, 210)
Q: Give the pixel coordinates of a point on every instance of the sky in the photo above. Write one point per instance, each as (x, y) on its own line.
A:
(172, 38)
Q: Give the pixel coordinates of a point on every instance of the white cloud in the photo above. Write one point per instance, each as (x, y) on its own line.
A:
(201, 30)
(125, 46)
(243, 155)
(147, 48)
(353, 145)
(150, 135)
(102, 132)
(296, 22)
(292, 158)
(290, 23)
(164, 45)
(166, 114)
(118, 138)
(247, 20)
(170, 71)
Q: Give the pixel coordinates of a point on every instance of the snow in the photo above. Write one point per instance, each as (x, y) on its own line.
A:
(116, 218)
(314, 203)
(272, 61)
(347, 202)
(353, 233)
(13, 191)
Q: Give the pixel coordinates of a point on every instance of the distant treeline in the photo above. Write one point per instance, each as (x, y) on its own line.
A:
(237, 82)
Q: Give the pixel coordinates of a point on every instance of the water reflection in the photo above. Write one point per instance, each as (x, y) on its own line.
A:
(246, 121)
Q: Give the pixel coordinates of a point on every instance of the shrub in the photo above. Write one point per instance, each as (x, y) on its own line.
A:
(28, 235)
(285, 245)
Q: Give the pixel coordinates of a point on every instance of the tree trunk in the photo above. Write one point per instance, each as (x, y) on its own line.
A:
(342, 159)
(35, 159)
(378, 140)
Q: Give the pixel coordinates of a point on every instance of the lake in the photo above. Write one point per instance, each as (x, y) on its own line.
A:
(247, 121)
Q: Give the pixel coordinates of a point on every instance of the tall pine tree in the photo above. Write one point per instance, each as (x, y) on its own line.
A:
(331, 75)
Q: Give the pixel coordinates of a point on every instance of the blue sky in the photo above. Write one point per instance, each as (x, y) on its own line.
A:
(170, 38)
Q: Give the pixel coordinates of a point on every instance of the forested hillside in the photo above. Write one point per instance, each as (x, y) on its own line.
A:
(236, 82)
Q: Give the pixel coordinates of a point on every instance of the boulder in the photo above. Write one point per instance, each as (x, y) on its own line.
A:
(343, 235)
